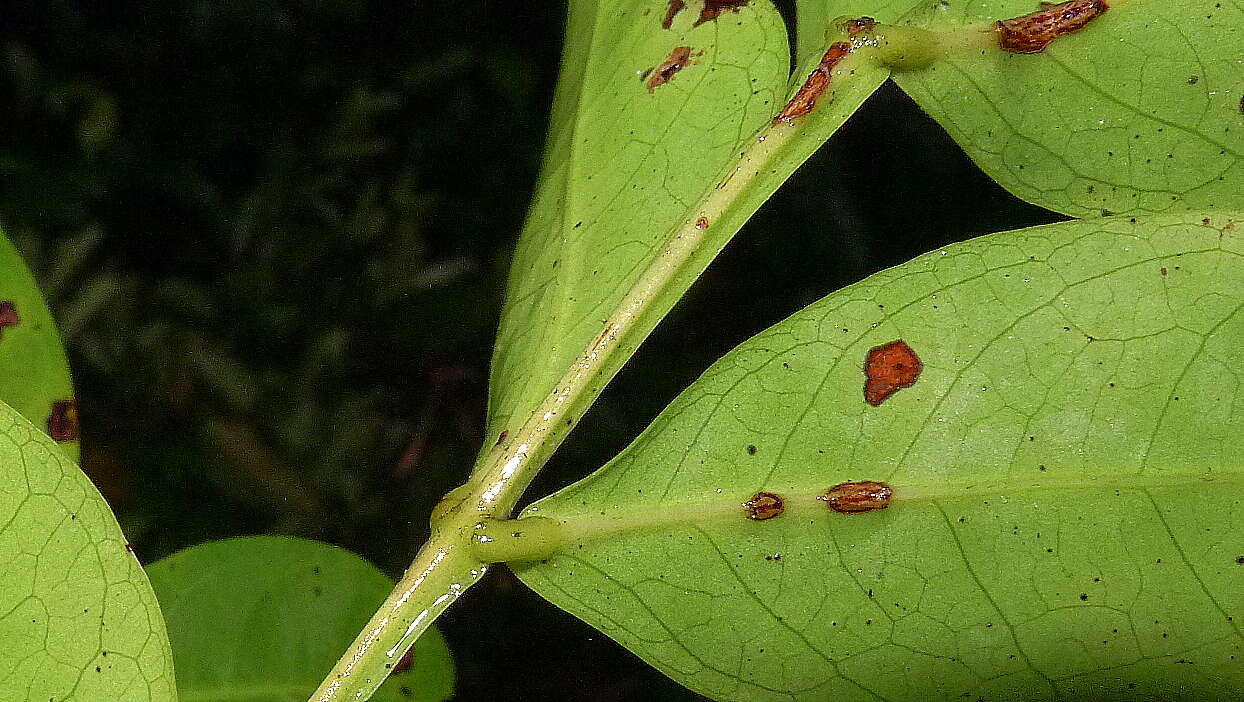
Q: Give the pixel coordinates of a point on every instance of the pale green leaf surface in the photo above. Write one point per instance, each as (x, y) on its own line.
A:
(1068, 513)
(626, 168)
(260, 619)
(78, 619)
(1137, 112)
(813, 17)
(36, 373)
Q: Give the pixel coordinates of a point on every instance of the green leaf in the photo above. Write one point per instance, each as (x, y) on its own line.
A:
(611, 242)
(36, 374)
(78, 620)
(1068, 492)
(814, 17)
(262, 618)
(1139, 111)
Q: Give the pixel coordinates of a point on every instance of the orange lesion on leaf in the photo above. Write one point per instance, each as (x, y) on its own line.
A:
(812, 89)
(858, 496)
(8, 314)
(764, 505)
(713, 8)
(889, 368)
(860, 25)
(675, 6)
(678, 59)
(1031, 33)
(63, 421)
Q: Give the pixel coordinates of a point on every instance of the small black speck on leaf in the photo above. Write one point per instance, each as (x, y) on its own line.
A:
(751, 449)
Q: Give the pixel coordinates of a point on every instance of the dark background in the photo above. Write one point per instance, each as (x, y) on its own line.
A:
(276, 237)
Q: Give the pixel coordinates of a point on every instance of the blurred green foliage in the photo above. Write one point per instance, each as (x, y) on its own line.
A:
(271, 236)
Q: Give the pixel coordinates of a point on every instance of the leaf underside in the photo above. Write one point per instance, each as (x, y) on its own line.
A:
(78, 619)
(36, 375)
(1138, 112)
(1068, 511)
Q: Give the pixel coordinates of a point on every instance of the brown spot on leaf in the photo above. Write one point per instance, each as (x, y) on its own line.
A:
(678, 59)
(675, 7)
(713, 9)
(8, 314)
(1031, 33)
(859, 496)
(860, 25)
(764, 505)
(1163, 270)
(815, 85)
(407, 660)
(1242, 104)
(701, 223)
(889, 368)
(63, 421)
(505, 433)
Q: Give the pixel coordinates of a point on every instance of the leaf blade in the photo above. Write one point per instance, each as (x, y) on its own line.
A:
(261, 618)
(38, 384)
(1138, 112)
(1001, 553)
(80, 620)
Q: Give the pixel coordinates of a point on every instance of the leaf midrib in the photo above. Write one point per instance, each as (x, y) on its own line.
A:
(801, 502)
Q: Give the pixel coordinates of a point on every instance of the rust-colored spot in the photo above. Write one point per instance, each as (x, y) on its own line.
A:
(701, 223)
(764, 505)
(406, 662)
(860, 25)
(664, 73)
(713, 9)
(858, 496)
(63, 421)
(502, 437)
(1031, 33)
(8, 314)
(888, 369)
(815, 85)
(1163, 270)
(675, 7)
